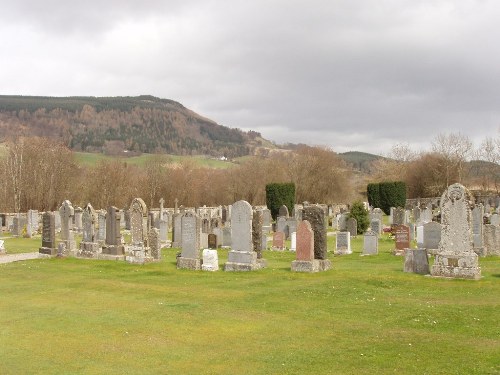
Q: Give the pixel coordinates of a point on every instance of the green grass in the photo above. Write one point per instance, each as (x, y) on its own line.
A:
(365, 316)
(90, 159)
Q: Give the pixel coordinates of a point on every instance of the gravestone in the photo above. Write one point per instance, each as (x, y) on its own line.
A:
(67, 212)
(352, 226)
(266, 220)
(190, 242)
(126, 219)
(291, 226)
(138, 250)
(401, 238)
(226, 237)
(89, 248)
(32, 223)
(343, 243)
(242, 257)
(495, 219)
(426, 215)
(432, 236)
(163, 233)
(370, 243)
(456, 257)
(377, 213)
(281, 224)
(78, 219)
(416, 214)
(477, 229)
(315, 216)
(491, 234)
(113, 248)
(154, 244)
(283, 212)
(293, 241)
(210, 260)
(398, 216)
(304, 258)
(342, 222)
(278, 241)
(2, 247)
(416, 261)
(376, 226)
(176, 230)
(48, 234)
(257, 219)
(101, 227)
(420, 236)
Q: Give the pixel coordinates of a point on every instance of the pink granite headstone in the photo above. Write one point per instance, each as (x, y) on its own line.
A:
(305, 241)
(279, 240)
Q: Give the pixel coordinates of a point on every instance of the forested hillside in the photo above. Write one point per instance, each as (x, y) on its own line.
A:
(116, 124)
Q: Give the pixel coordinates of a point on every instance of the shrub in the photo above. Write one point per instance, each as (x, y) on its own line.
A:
(278, 194)
(359, 213)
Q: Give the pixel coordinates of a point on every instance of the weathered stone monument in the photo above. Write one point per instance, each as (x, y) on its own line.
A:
(138, 250)
(316, 217)
(293, 241)
(398, 217)
(113, 248)
(48, 234)
(67, 212)
(456, 257)
(278, 241)
(376, 226)
(257, 232)
(154, 244)
(477, 229)
(492, 239)
(242, 257)
(283, 212)
(190, 242)
(89, 248)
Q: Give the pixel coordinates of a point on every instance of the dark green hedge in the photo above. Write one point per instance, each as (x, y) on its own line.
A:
(278, 194)
(385, 195)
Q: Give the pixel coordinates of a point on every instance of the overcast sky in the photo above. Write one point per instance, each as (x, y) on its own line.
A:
(352, 75)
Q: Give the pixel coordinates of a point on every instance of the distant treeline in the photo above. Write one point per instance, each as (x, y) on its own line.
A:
(115, 124)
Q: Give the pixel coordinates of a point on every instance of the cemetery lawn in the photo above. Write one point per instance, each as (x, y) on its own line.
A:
(365, 316)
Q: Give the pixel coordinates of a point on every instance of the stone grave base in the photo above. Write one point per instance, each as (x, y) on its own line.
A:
(48, 251)
(243, 261)
(456, 266)
(343, 252)
(416, 261)
(398, 252)
(188, 263)
(315, 265)
(480, 251)
(88, 250)
(112, 252)
(138, 255)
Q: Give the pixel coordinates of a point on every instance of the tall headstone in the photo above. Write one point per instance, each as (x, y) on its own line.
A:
(190, 242)
(456, 257)
(304, 259)
(281, 224)
(278, 241)
(492, 239)
(67, 213)
(477, 229)
(376, 226)
(398, 216)
(293, 241)
(370, 243)
(48, 234)
(176, 230)
(343, 243)
(101, 227)
(154, 244)
(257, 232)
(78, 219)
(32, 224)
(315, 216)
(138, 249)
(242, 257)
(113, 248)
(89, 248)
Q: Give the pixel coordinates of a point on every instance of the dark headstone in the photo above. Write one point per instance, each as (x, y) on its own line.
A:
(315, 216)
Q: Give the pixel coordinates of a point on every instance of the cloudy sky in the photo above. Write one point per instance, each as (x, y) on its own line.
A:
(348, 74)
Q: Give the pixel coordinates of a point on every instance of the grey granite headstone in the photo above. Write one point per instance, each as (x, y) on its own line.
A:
(190, 242)
(343, 243)
(492, 239)
(432, 237)
(416, 261)
(352, 226)
(370, 243)
(48, 235)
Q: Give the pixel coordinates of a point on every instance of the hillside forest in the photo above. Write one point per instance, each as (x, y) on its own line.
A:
(39, 173)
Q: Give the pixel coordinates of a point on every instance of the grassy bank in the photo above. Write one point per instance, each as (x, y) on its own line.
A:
(365, 316)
